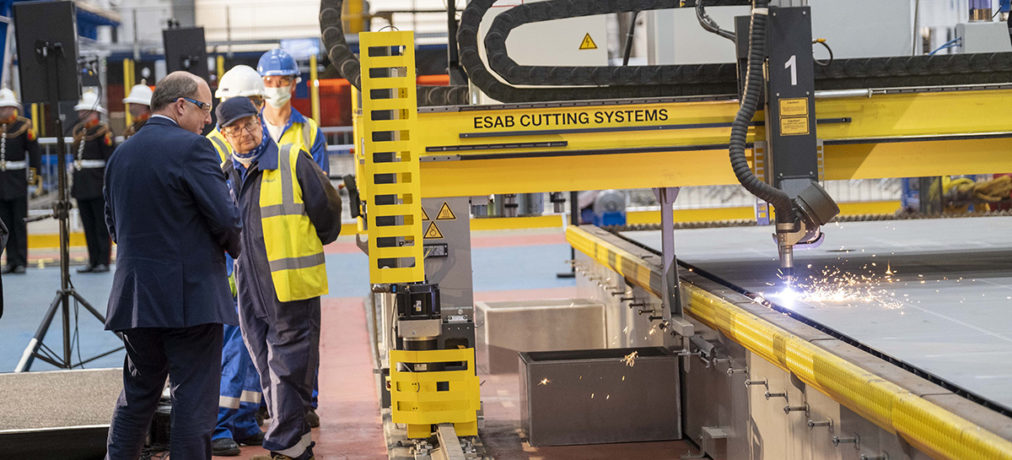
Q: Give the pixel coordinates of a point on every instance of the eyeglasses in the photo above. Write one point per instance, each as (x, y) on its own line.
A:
(203, 105)
(250, 125)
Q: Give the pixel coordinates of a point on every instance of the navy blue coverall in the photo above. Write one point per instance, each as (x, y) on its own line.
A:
(282, 337)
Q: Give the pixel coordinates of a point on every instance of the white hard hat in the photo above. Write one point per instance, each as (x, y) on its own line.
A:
(8, 99)
(89, 101)
(241, 80)
(139, 94)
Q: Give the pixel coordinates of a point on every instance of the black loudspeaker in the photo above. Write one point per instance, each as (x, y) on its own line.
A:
(48, 27)
(185, 49)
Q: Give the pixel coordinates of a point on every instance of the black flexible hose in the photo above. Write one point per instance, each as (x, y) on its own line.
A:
(750, 102)
(332, 35)
(710, 25)
(629, 38)
(348, 65)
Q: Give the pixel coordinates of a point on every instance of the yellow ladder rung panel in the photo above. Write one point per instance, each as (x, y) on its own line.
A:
(407, 172)
(389, 210)
(404, 83)
(396, 167)
(398, 252)
(392, 230)
(386, 62)
(386, 146)
(390, 38)
(395, 275)
(394, 189)
(387, 104)
(390, 125)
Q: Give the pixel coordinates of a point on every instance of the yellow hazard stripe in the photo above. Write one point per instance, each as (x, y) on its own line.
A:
(929, 427)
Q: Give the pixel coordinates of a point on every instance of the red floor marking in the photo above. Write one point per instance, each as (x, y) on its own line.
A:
(350, 425)
(526, 294)
(342, 246)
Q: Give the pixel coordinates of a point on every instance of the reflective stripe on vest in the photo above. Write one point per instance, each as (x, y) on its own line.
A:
(219, 144)
(294, 251)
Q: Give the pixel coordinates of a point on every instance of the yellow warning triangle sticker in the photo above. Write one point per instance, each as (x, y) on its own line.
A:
(433, 231)
(424, 215)
(445, 213)
(588, 43)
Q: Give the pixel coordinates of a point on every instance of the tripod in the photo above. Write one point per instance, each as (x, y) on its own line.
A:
(50, 53)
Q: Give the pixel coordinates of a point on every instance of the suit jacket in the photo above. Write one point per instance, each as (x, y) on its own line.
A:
(170, 211)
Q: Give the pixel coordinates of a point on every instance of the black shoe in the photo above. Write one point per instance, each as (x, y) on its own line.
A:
(255, 440)
(224, 447)
(312, 419)
(100, 268)
(86, 269)
(15, 269)
(262, 415)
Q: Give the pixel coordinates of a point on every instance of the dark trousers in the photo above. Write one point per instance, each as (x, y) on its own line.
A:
(192, 358)
(95, 232)
(13, 213)
(284, 341)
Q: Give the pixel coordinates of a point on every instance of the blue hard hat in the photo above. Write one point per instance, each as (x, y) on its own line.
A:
(277, 62)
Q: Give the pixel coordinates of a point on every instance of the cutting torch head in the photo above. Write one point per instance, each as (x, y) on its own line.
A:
(814, 208)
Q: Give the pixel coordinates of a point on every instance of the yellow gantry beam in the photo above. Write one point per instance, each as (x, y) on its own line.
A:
(895, 135)
(931, 428)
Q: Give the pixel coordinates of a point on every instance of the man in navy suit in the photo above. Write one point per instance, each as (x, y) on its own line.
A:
(171, 213)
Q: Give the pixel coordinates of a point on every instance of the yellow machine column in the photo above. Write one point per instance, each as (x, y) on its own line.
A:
(428, 386)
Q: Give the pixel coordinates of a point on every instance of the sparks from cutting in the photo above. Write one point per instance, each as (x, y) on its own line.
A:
(832, 286)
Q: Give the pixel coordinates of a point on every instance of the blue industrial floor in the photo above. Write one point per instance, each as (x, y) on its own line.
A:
(505, 267)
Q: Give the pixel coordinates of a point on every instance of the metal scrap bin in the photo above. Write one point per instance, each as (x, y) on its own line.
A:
(599, 396)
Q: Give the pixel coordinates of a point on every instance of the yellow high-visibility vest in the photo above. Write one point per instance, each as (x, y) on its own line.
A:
(294, 251)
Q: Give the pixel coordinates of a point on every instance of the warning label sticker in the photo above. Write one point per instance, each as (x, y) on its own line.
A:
(794, 126)
(794, 107)
(445, 213)
(424, 215)
(588, 43)
(433, 232)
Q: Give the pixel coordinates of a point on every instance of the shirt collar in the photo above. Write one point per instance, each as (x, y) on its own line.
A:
(158, 115)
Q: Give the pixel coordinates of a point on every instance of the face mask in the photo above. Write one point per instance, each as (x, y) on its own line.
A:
(278, 97)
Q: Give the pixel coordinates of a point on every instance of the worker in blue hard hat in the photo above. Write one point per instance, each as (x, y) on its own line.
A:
(285, 124)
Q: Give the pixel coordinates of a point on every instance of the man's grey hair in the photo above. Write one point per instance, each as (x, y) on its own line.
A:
(174, 86)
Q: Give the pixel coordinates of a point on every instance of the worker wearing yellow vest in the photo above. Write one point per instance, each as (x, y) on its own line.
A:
(240, 395)
(285, 124)
(290, 211)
